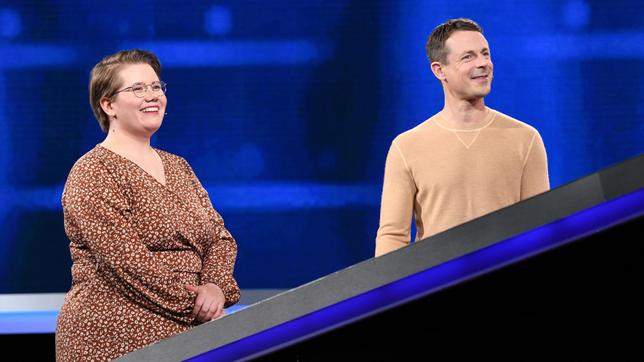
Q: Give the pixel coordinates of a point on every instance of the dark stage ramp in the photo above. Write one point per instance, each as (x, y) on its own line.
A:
(557, 276)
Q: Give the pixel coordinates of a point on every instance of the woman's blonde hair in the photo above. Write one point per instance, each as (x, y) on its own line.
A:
(104, 80)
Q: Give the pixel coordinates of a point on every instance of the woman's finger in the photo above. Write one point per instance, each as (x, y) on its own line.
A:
(207, 309)
(191, 288)
(212, 309)
(219, 312)
(202, 314)
(199, 305)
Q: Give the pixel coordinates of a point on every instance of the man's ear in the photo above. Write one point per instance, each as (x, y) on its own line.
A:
(106, 105)
(437, 69)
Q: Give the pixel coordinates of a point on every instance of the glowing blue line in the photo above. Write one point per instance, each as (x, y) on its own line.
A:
(264, 196)
(597, 45)
(45, 321)
(50, 55)
(197, 53)
(279, 196)
(177, 53)
(233, 53)
(28, 322)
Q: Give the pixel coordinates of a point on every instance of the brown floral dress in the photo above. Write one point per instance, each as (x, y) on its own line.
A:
(134, 244)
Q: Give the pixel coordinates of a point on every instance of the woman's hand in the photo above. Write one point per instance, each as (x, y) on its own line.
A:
(209, 303)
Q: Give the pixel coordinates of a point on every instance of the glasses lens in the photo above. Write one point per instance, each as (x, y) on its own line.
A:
(138, 90)
(156, 88)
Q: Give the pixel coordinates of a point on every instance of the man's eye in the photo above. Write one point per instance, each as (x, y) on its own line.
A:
(156, 87)
(137, 88)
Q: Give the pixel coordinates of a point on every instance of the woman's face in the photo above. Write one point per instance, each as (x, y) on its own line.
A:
(140, 116)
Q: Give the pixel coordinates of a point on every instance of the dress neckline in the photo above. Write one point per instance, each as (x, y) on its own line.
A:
(163, 164)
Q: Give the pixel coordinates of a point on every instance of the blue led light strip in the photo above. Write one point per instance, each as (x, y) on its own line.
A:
(28, 322)
(530, 243)
(252, 196)
(44, 321)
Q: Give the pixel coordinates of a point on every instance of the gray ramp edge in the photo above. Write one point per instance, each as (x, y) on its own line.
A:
(556, 204)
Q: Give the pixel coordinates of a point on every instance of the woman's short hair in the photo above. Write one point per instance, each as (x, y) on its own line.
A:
(105, 81)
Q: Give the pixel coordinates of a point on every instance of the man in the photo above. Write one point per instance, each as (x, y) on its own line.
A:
(465, 161)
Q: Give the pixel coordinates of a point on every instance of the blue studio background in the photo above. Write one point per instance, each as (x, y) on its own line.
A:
(286, 109)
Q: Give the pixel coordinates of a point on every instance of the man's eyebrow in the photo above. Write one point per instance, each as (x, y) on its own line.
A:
(486, 49)
(466, 52)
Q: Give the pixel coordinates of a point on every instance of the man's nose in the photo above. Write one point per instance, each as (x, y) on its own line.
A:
(483, 62)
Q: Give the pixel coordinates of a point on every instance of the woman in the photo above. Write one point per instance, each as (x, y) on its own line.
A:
(151, 257)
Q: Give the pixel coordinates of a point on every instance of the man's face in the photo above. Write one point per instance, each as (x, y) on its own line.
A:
(469, 72)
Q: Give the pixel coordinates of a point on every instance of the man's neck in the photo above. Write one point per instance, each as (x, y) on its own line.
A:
(463, 114)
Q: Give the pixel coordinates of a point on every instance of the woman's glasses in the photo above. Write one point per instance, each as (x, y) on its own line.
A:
(140, 89)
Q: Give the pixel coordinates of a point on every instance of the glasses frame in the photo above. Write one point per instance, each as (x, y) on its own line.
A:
(146, 88)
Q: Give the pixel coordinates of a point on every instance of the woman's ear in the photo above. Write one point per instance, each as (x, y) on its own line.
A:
(437, 69)
(106, 105)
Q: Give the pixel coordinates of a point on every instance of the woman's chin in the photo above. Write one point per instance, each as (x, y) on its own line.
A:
(152, 125)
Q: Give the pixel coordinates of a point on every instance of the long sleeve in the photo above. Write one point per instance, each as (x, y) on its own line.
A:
(534, 179)
(219, 255)
(98, 218)
(396, 208)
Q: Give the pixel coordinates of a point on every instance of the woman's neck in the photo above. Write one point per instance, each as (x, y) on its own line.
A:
(126, 144)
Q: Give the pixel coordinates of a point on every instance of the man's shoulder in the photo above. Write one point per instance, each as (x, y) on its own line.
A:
(504, 121)
(417, 134)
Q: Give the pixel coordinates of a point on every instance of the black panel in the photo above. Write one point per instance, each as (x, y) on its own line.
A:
(582, 301)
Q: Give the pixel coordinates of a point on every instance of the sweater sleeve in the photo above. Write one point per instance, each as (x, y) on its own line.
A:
(219, 256)
(97, 216)
(534, 179)
(398, 193)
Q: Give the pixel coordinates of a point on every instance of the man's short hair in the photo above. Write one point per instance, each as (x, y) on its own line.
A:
(435, 46)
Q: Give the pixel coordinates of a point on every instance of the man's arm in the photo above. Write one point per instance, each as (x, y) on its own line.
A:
(398, 192)
(534, 179)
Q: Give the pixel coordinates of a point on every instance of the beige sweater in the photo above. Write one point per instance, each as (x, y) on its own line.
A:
(448, 176)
